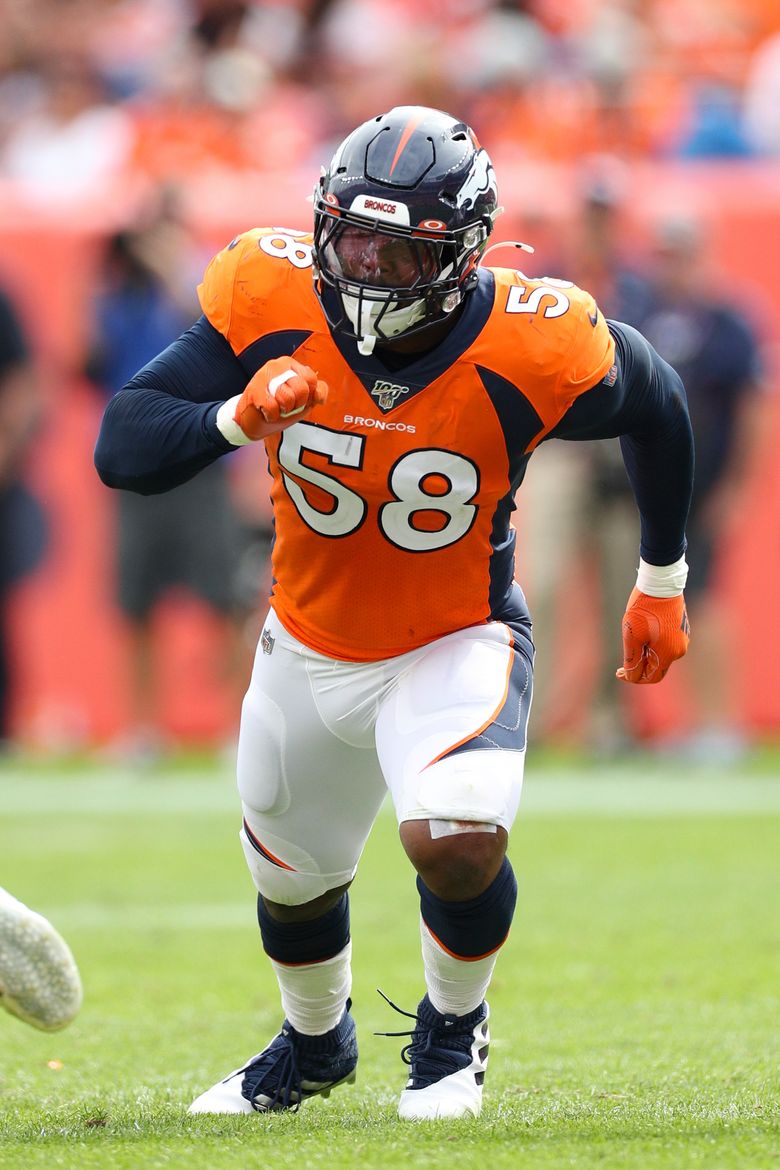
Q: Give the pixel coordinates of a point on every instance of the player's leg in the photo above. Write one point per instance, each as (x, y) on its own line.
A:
(552, 510)
(209, 543)
(39, 979)
(451, 740)
(145, 549)
(718, 736)
(311, 788)
(614, 533)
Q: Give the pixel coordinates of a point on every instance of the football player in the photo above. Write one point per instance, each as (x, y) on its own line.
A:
(39, 979)
(398, 388)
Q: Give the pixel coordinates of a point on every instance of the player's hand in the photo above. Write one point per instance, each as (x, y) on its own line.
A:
(281, 392)
(655, 633)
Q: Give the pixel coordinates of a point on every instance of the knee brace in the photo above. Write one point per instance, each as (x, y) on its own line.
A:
(475, 928)
(313, 941)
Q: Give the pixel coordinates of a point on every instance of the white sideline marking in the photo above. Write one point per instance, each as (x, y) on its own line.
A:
(238, 915)
(628, 792)
(626, 795)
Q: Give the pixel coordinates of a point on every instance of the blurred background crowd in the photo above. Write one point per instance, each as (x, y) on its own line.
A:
(168, 88)
(637, 146)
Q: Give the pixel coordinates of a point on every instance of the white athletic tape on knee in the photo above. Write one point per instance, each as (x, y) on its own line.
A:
(274, 385)
(451, 828)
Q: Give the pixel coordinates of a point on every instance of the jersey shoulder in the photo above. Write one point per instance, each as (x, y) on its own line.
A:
(554, 333)
(260, 283)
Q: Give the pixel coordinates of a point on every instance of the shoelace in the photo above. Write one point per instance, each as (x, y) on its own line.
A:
(433, 1048)
(284, 1069)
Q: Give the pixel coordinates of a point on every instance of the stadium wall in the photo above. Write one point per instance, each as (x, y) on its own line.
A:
(71, 659)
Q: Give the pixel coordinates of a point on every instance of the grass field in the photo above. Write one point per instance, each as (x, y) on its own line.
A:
(635, 1010)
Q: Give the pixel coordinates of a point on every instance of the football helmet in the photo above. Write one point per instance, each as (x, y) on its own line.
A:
(401, 218)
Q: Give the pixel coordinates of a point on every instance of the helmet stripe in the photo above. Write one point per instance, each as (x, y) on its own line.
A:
(408, 131)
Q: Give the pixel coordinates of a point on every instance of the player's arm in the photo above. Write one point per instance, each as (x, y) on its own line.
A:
(192, 404)
(642, 401)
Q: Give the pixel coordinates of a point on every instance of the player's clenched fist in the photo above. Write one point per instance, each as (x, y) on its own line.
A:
(281, 392)
(655, 633)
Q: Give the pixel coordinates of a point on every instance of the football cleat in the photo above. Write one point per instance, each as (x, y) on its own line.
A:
(447, 1058)
(39, 979)
(292, 1068)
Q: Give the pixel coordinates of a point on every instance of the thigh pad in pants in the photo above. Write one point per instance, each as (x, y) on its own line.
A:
(308, 775)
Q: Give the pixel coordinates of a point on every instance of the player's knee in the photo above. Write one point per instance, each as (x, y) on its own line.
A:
(458, 865)
(306, 911)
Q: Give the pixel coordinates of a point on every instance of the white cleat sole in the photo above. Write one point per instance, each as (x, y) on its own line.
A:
(226, 1097)
(455, 1096)
(212, 1101)
(39, 979)
(459, 1094)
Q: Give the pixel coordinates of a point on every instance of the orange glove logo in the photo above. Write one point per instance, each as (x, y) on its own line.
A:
(281, 392)
(655, 632)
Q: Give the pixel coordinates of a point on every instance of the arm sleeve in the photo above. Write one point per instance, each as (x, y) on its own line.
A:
(642, 400)
(160, 429)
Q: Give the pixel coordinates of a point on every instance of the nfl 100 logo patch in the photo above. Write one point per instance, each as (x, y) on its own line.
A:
(387, 393)
(267, 641)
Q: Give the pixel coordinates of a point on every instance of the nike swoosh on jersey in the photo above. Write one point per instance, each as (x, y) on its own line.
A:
(594, 318)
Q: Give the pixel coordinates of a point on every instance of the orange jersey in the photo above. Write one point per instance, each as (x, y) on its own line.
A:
(393, 501)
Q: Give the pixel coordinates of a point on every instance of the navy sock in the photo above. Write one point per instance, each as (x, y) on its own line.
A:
(305, 942)
(477, 927)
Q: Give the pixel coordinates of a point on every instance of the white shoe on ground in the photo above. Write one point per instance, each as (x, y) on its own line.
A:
(292, 1068)
(447, 1059)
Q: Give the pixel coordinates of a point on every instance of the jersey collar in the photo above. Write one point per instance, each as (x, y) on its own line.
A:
(392, 386)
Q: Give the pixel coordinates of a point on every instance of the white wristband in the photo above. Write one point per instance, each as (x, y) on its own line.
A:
(662, 580)
(227, 424)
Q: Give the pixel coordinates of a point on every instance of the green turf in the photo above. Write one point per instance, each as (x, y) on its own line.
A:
(634, 1011)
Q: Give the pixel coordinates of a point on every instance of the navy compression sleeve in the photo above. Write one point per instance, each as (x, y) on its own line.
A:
(646, 407)
(160, 429)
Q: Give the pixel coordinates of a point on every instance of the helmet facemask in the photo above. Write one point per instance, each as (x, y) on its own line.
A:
(389, 280)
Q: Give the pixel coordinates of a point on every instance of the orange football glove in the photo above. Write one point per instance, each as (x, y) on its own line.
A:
(655, 632)
(281, 392)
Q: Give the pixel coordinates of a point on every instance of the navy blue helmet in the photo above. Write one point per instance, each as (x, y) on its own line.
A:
(401, 217)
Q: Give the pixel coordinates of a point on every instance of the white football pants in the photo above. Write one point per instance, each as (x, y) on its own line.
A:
(441, 728)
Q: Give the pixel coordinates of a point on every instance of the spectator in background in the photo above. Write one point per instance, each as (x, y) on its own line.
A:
(576, 499)
(714, 348)
(22, 522)
(762, 98)
(191, 537)
(715, 127)
(72, 141)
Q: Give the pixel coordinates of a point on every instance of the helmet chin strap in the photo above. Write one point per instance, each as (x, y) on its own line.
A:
(367, 339)
(363, 325)
(395, 322)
